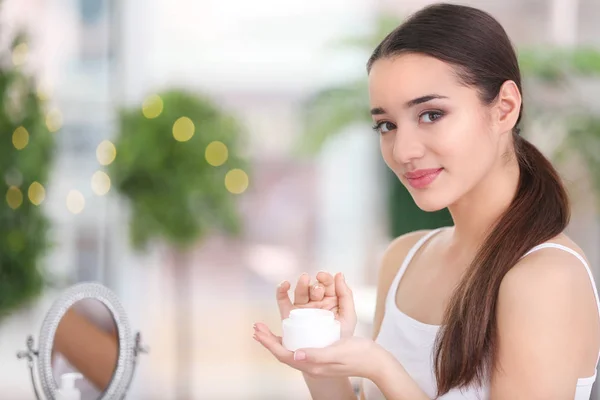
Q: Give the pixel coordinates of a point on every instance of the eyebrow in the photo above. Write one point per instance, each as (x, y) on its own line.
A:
(411, 103)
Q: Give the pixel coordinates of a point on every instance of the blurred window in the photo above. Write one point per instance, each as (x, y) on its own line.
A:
(95, 31)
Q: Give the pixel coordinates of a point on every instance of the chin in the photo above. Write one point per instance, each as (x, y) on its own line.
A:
(431, 206)
(433, 198)
(431, 201)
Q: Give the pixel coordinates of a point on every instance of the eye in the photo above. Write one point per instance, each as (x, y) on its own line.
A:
(383, 127)
(430, 116)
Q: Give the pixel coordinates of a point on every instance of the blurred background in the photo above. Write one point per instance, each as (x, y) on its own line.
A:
(191, 154)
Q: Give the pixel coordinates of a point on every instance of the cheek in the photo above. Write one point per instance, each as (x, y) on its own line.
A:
(472, 154)
(387, 152)
(465, 138)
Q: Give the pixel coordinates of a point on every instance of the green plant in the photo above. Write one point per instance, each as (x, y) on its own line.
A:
(327, 112)
(583, 141)
(176, 196)
(561, 71)
(26, 155)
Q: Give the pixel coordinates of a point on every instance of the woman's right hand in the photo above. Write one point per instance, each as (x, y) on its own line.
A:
(328, 293)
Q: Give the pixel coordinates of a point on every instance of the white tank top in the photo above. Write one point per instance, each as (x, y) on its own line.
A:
(412, 341)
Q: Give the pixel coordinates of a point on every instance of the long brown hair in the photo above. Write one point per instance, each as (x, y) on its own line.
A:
(484, 58)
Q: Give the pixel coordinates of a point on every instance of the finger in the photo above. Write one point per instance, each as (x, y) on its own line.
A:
(317, 292)
(326, 279)
(283, 299)
(327, 303)
(345, 298)
(260, 327)
(301, 294)
(273, 344)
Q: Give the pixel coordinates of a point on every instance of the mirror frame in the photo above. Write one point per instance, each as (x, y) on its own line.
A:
(123, 373)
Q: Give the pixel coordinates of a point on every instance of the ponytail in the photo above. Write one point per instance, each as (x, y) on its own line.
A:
(466, 345)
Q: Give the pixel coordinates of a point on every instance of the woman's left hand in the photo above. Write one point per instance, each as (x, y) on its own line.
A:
(352, 356)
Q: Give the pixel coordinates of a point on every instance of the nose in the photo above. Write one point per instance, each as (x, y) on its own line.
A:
(407, 147)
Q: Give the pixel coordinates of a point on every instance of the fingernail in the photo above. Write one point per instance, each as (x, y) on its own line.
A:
(325, 272)
(317, 286)
(299, 355)
(281, 284)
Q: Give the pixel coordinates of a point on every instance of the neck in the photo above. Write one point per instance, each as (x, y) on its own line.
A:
(476, 212)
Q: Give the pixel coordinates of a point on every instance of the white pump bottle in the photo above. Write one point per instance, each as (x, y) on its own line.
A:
(67, 390)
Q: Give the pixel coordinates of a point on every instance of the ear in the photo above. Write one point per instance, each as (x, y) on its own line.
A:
(507, 107)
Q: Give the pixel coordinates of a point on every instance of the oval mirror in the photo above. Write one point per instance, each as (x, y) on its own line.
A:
(86, 342)
(85, 346)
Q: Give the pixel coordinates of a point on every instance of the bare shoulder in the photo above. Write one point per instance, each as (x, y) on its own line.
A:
(548, 269)
(547, 312)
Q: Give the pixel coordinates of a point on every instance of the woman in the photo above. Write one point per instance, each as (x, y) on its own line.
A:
(500, 305)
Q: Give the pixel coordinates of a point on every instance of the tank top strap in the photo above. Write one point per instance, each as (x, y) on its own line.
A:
(391, 296)
(580, 258)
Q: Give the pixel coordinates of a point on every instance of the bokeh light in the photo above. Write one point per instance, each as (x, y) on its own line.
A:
(106, 152)
(20, 138)
(43, 91)
(152, 106)
(19, 54)
(75, 201)
(36, 193)
(216, 153)
(100, 183)
(54, 120)
(14, 197)
(236, 181)
(183, 129)
(13, 177)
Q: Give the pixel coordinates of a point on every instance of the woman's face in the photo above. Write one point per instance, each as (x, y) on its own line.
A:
(435, 133)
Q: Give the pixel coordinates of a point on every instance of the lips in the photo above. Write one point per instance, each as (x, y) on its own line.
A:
(421, 173)
(421, 178)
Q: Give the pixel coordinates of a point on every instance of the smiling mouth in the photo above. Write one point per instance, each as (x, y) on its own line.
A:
(423, 178)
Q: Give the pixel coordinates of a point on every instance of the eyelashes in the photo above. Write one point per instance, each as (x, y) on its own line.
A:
(377, 127)
(437, 115)
(427, 118)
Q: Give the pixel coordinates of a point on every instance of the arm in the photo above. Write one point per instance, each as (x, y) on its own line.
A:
(547, 328)
(362, 357)
(92, 351)
(395, 383)
(329, 388)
